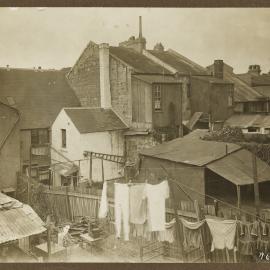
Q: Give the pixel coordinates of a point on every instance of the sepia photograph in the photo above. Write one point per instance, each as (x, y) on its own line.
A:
(134, 135)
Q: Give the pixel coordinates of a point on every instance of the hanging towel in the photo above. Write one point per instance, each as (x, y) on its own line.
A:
(168, 234)
(192, 225)
(121, 209)
(137, 204)
(103, 209)
(156, 196)
(223, 233)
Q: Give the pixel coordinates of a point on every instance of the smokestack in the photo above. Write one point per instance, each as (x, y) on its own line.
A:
(218, 69)
(104, 64)
(140, 27)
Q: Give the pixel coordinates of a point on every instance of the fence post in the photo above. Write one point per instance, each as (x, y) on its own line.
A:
(68, 205)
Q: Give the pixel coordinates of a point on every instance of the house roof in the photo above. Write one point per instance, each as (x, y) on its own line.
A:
(263, 90)
(39, 95)
(8, 118)
(255, 80)
(179, 62)
(191, 151)
(212, 79)
(89, 120)
(17, 220)
(237, 168)
(243, 92)
(138, 61)
(248, 120)
(156, 78)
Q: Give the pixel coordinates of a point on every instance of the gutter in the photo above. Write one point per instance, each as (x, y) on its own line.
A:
(12, 128)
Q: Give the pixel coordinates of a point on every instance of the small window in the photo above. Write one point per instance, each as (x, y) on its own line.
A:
(157, 98)
(253, 129)
(64, 138)
(230, 100)
(39, 136)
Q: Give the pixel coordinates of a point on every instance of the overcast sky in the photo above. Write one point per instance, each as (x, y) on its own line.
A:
(55, 37)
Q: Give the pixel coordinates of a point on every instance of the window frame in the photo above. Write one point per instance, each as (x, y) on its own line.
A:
(157, 89)
(39, 137)
(63, 138)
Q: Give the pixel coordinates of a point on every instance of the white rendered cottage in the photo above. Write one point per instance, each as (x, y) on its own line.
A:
(76, 130)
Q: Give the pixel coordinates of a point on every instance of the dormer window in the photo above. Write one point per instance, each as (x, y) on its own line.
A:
(157, 98)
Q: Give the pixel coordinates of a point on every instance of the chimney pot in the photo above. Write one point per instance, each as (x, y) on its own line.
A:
(254, 69)
(159, 47)
(218, 69)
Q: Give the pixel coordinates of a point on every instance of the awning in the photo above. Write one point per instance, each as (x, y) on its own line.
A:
(65, 169)
(237, 168)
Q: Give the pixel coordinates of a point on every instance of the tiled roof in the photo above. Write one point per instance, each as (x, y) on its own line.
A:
(17, 221)
(8, 118)
(38, 95)
(88, 120)
(139, 62)
(191, 151)
(156, 78)
(179, 62)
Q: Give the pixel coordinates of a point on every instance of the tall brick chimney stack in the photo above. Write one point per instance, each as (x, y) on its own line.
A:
(218, 69)
(104, 65)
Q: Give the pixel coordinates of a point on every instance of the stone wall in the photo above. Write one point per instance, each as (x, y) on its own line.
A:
(84, 77)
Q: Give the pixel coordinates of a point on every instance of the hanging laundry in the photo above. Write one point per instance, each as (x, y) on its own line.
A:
(156, 195)
(192, 234)
(168, 234)
(223, 233)
(121, 209)
(137, 204)
(103, 209)
(247, 237)
(263, 241)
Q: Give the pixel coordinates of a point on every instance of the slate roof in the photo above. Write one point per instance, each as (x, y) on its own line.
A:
(179, 62)
(255, 80)
(38, 95)
(8, 118)
(156, 78)
(139, 62)
(263, 90)
(190, 151)
(17, 220)
(212, 79)
(248, 120)
(89, 120)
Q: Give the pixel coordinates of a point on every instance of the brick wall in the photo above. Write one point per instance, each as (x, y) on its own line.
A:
(120, 82)
(84, 77)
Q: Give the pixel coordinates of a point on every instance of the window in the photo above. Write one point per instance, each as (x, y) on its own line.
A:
(253, 129)
(39, 136)
(64, 138)
(157, 98)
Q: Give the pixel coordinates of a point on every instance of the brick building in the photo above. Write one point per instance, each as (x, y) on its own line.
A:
(151, 90)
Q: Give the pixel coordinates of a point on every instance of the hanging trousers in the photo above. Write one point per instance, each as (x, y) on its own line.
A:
(121, 211)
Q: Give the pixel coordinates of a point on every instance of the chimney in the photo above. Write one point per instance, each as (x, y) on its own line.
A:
(137, 44)
(159, 47)
(218, 69)
(104, 65)
(254, 70)
(8, 68)
(140, 27)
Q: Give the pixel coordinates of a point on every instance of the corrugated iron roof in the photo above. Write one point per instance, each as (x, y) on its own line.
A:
(39, 95)
(190, 151)
(156, 78)
(138, 61)
(179, 62)
(237, 168)
(248, 120)
(88, 120)
(18, 221)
